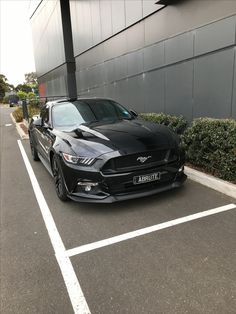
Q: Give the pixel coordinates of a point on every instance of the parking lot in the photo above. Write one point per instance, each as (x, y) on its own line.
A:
(110, 258)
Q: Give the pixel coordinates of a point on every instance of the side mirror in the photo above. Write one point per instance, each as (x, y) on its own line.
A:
(37, 122)
(134, 113)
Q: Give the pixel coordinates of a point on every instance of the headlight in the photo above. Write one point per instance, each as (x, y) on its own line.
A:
(85, 161)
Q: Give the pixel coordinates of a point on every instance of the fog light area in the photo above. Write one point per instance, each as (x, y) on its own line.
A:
(87, 186)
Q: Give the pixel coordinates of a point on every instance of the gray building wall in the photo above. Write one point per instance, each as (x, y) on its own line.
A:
(49, 50)
(177, 59)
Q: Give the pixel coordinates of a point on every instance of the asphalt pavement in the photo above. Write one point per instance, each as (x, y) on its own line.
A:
(184, 268)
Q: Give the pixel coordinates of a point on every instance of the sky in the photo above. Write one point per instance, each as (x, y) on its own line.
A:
(16, 48)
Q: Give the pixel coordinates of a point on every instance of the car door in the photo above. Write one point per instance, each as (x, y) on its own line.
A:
(44, 137)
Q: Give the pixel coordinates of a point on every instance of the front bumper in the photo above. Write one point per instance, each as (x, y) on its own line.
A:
(119, 186)
(127, 196)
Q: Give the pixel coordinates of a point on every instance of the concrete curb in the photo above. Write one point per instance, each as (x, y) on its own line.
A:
(22, 134)
(214, 183)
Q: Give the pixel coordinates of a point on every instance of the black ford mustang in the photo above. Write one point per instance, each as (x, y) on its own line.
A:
(98, 151)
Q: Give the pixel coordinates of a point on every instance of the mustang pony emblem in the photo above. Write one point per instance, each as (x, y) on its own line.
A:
(143, 159)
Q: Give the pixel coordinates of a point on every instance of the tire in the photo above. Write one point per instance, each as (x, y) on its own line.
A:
(59, 180)
(34, 152)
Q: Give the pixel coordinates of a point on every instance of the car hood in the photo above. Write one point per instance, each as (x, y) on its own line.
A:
(125, 136)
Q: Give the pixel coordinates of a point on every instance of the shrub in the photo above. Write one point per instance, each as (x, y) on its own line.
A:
(18, 114)
(32, 99)
(33, 110)
(31, 95)
(34, 102)
(22, 95)
(177, 124)
(211, 144)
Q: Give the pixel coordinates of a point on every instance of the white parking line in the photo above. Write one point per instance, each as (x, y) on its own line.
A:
(143, 231)
(75, 292)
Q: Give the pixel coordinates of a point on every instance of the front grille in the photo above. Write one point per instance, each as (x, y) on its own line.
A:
(134, 161)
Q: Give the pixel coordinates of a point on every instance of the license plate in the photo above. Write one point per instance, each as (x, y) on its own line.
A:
(147, 178)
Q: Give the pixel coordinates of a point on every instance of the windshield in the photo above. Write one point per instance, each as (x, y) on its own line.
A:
(68, 115)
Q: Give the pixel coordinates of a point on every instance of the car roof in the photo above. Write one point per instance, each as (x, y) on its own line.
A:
(62, 100)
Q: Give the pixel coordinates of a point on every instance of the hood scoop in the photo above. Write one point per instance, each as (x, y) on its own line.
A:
(76, 133)
(92, 132)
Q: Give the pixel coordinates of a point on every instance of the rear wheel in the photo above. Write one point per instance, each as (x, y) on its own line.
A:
(59, 180)
(34, 152)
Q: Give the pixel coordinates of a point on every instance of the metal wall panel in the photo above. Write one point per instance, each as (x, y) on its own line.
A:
(155, 27)
(110, 91)
(74, 22)
(144, 48)
(59, 86)
(96, 21)
(183, 16)
(215, 36)
(109, 70)
(97, 75)
(86, 76)
(87, 34)
(55, 82)
(122, 92)
(77, 24)
(96, 55)
(95, 92)
(133, 11)
(233, 109)
(93, 75)
(154, 56)
(154, 87)
(179, 48)
(120, 67)
(135, 62)
(101, 79)
(81, 21)
(213, 75)
(48, 37)
(118, 15)
(135, 37)
(105, 9)
(150, 6)
(115, 46)
(136, 97)
(80, 81)
(179, 90)
(81, 62)
(90, 58)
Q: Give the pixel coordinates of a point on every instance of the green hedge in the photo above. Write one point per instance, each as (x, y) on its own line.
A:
(211, 145)
(178, 124)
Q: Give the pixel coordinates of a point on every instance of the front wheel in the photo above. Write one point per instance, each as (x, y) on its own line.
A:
(59, 180)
